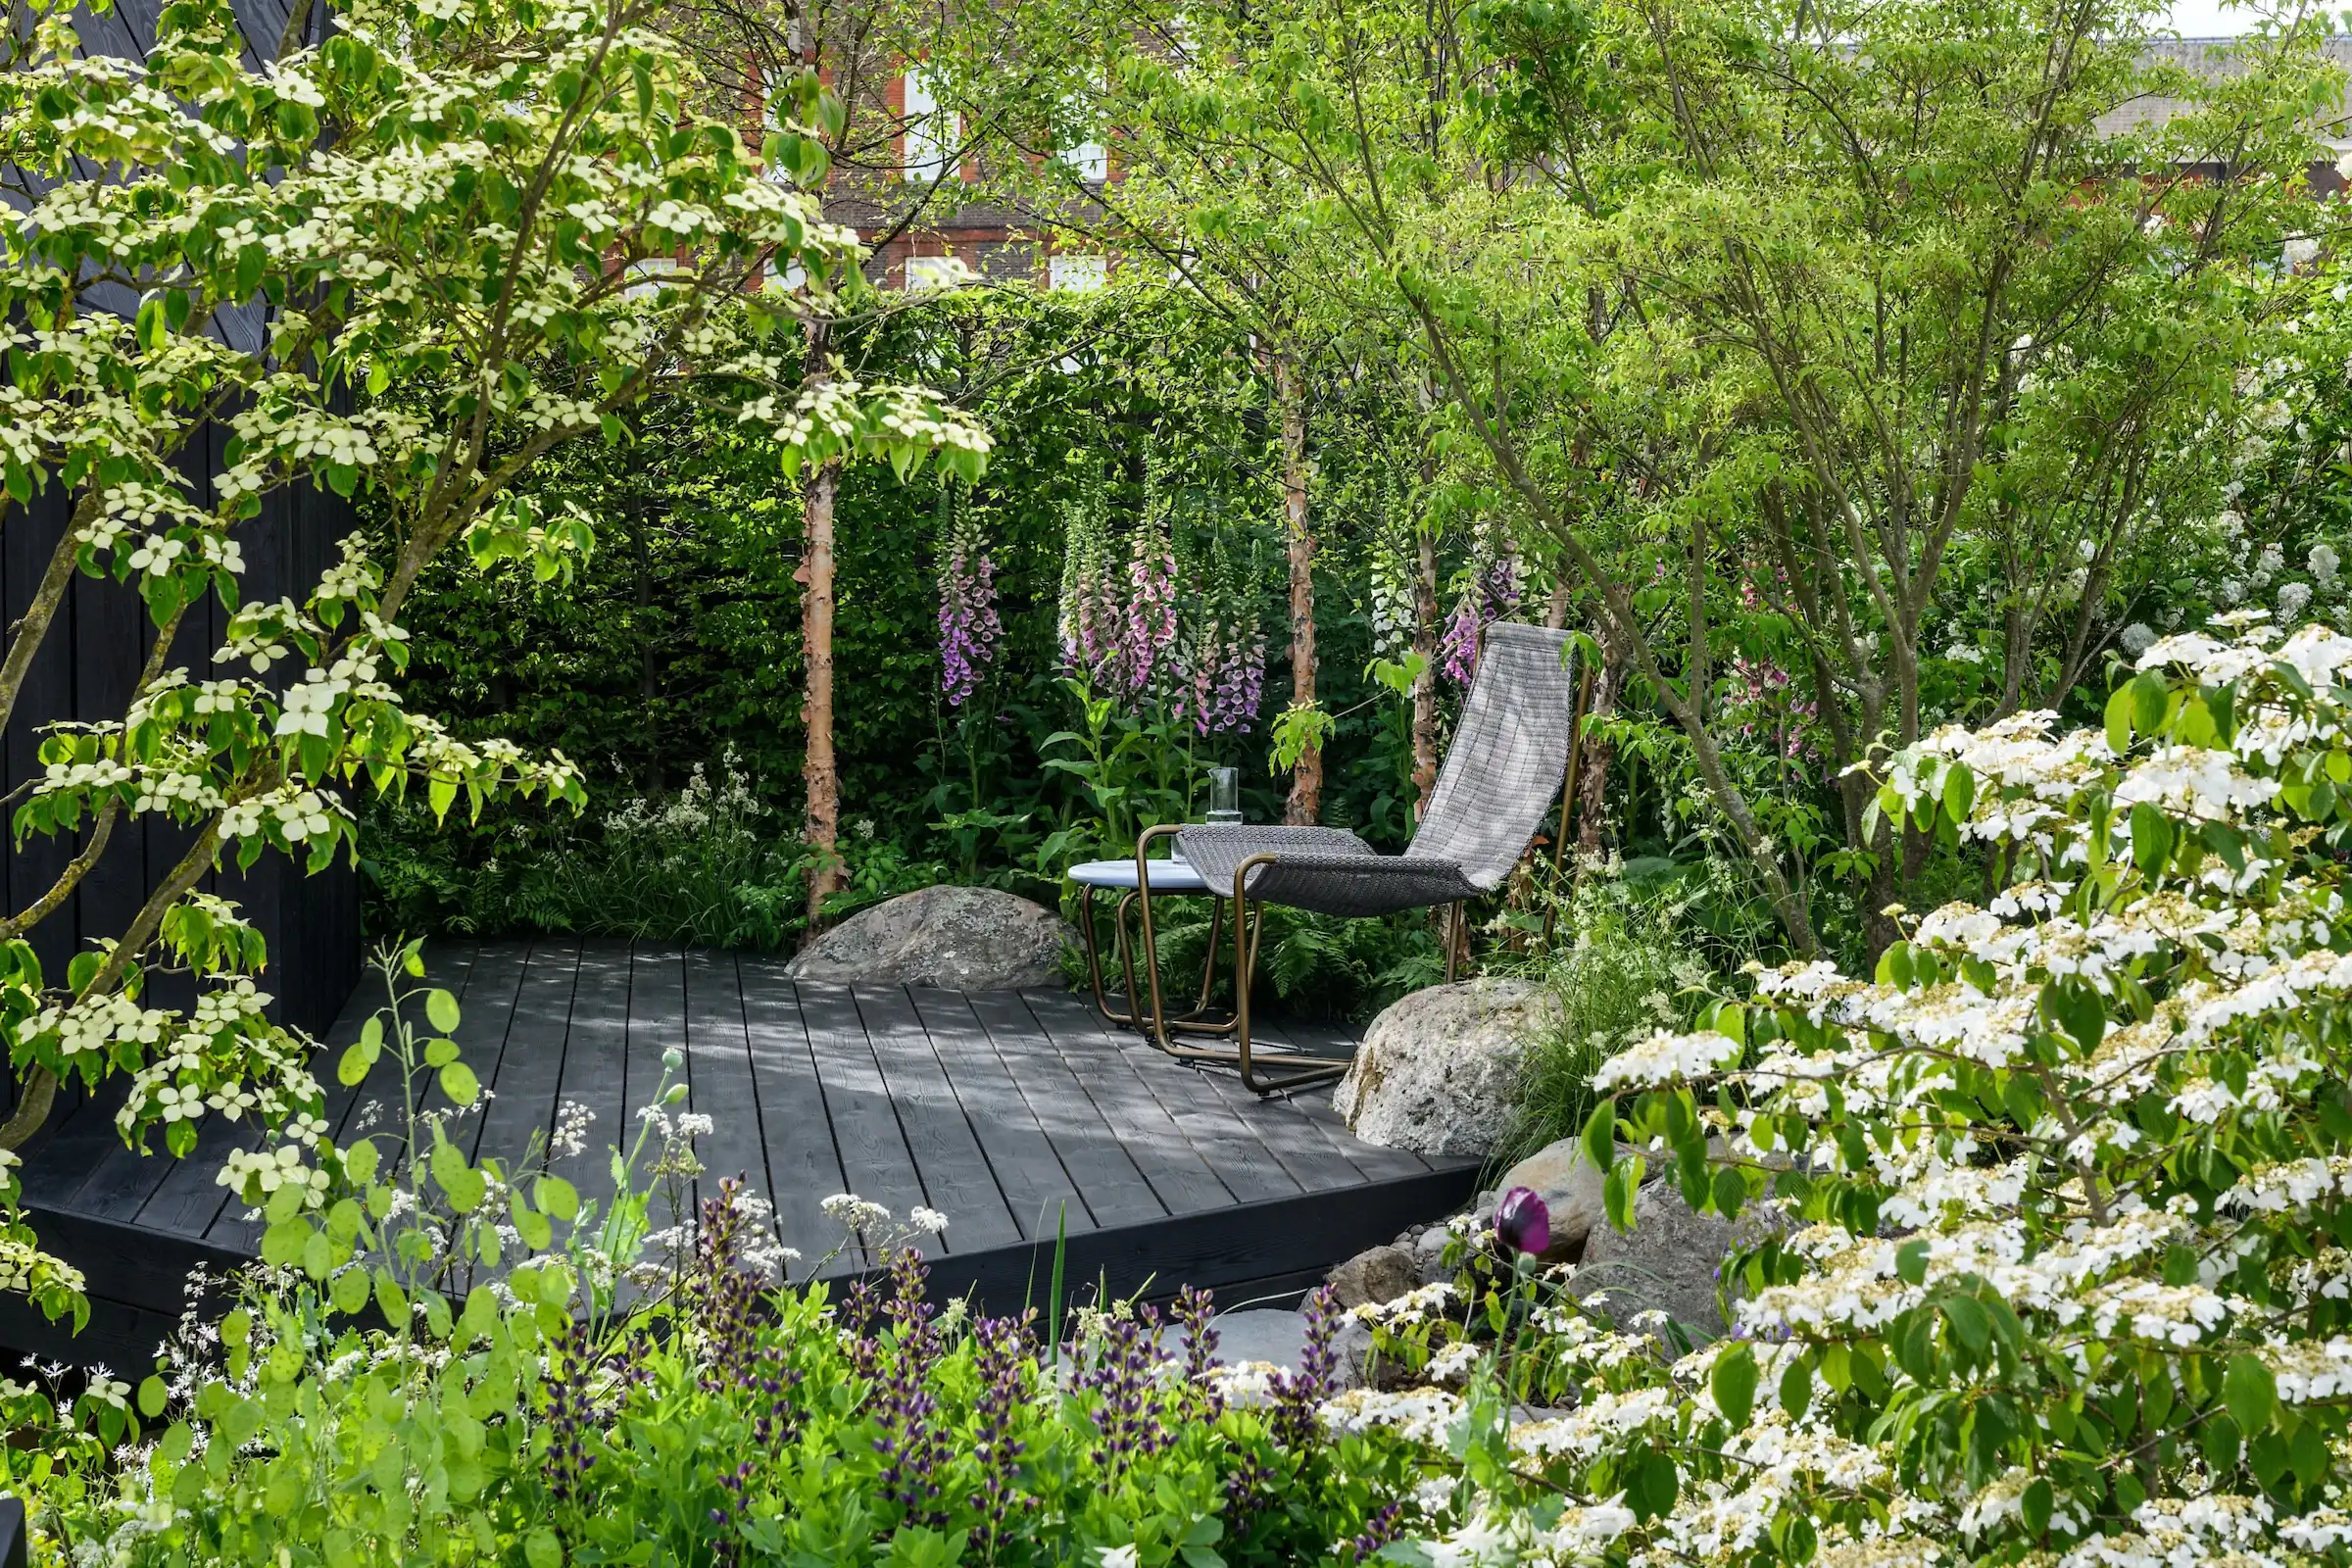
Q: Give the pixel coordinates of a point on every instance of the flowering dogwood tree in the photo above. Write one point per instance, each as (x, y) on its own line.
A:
(2055, 1207)
(502, 212)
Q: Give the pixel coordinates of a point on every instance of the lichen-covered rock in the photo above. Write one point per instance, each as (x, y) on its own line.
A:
(1668, 1263)
(961, 939)
(1382, 1274)
(1439, 1073)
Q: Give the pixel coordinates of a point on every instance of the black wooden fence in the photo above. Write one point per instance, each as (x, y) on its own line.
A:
(86, 669)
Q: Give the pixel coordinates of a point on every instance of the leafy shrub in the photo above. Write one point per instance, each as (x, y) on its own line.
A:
(709, 864)
(2056, 1207)
(1630, 967)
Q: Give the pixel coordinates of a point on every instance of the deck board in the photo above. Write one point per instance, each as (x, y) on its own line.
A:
(718, 1077)
(1037, 1189)
(876, 1158)
(1023, 1116)
(595, 1066)
(938, 1135)
(804, 1157)
(1100, 1166)
(524, 1093)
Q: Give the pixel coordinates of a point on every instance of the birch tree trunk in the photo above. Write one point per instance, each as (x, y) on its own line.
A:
(1592, 790)
(822, 828)
(1425, 684)
(1306, 782)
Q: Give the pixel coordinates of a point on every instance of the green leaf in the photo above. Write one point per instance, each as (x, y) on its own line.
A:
(353, 1068)
(1617, 1193)
(1971, 1325)
(1911, 1262)
(2250, 1393)
(1600, 1134)
(360, 1161)
(1732, 1381)
(2119, 719)
(2036, 1503)
(440, 1052)
(152, 1396)
(461, 1181)
(442, 1009)
(2221, 1441)
(1959, 792)
(1796, 1386)
(2148, 693)
(2151, 839)
(542, 1549)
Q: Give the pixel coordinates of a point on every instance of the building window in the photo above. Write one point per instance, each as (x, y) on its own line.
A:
(925, 274)
(1076, 274)
(926, 132)
(1087, 159)
(649, 277)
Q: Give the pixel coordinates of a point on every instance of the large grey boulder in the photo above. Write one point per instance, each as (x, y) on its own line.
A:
(1439, 1071)
(1669, 1261)
(961, 939)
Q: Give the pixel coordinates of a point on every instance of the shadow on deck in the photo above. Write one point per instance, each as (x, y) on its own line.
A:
(1014, 1113)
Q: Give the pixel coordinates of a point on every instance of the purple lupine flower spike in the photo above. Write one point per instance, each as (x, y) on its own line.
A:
(1523, 1221)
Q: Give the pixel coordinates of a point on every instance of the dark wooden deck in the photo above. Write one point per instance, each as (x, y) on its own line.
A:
(1014, 1113)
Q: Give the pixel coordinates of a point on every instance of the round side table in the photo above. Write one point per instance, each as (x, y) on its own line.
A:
(1167, 876)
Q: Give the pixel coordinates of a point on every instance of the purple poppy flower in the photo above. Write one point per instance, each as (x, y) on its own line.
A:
(1522, 1222)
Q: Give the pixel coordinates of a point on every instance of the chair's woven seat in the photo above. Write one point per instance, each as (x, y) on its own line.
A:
(1508, 757)
(1321, 868)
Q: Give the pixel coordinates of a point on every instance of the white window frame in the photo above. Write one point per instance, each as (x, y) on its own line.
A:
(925, 142)
(1078, 272)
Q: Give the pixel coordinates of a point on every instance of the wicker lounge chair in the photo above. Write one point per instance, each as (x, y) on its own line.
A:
(1508, 758)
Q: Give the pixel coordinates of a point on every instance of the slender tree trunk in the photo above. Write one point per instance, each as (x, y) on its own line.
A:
(648, 685)
(1592, 790)
(1425, 684)
(1306, 783)
(822, 830)
(822, 776)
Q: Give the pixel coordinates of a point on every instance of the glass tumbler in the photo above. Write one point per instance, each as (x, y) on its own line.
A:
(1225, 795)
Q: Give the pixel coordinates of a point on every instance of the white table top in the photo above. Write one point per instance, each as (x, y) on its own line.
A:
(1167, 876)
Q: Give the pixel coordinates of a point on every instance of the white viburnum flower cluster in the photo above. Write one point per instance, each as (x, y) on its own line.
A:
(2054, 1210)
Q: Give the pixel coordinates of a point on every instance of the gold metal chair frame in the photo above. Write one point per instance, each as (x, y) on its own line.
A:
(1248, 923)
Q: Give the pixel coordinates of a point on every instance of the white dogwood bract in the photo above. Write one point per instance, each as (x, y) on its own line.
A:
(397, 264)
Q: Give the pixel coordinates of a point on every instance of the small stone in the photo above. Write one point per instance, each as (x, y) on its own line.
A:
(1429, 1252)
(1351, 1355)
(1382, 1274)
(1261, 1334)
(1439, 1071)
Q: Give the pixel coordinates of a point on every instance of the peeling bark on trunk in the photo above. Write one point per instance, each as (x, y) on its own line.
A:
(1306, 806)
(821, 777)
(1592, 790)
(1425, 684)
(822, 829)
